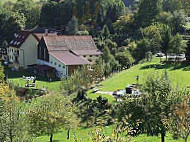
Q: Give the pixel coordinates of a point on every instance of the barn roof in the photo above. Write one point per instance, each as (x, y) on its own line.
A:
(68, 58)
(63, 43)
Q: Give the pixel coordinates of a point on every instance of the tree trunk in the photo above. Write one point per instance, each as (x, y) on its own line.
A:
(51, 138)
(163, 137)
(11, 136)
(186, 137)
(87, 122)
(68, 133)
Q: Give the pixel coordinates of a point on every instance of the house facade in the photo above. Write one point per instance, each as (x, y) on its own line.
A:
(49, 51)
(67, 53)
(22, 50)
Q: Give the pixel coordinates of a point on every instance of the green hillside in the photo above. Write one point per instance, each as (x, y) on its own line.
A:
(180, 74)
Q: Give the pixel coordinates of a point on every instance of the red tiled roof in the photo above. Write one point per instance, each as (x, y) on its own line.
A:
(86, 52)
(68, 58)
(63, 43)
(19, 38)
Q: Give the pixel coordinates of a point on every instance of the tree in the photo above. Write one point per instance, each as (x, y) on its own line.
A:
(110, 63)
(157, 104)
(9, 24)
(181, 118)
(50, 113)
(153, 107)
(152, 33)
(148, 10)
(49, 13)
(149, 56)
(83, 77)
(115, 10)
(30, 10)
(185, 4)
(178, 21)
(165, 18)
(125, 59)
(171, 5)
(187, 53)
(72, 27)
(124, 27)
(139, 52)
(13, 123)
(177, 44)
(105, 31)
(94, 112)
(165, 39)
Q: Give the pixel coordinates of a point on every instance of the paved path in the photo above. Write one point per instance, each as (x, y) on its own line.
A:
(101, 92)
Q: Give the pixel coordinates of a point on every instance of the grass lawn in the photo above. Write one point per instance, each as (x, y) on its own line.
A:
(179, 74)
(83, 134)
(41, 82)
(95, 95)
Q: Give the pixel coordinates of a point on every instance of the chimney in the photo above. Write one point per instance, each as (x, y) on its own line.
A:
(46, 32)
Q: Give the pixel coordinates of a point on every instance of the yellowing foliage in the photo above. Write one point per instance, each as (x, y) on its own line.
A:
(3, 89)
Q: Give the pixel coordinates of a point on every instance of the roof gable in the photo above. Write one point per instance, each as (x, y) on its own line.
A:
(20, 37)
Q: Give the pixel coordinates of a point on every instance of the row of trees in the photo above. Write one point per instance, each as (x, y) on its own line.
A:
(20, 121)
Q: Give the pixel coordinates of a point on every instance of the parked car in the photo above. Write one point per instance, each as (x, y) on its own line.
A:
(160, 54)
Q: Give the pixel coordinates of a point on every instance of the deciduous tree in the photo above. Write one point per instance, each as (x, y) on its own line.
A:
(50, 113)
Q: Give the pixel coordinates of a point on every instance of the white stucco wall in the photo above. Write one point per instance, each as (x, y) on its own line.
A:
(28, 51)
(59, 66)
